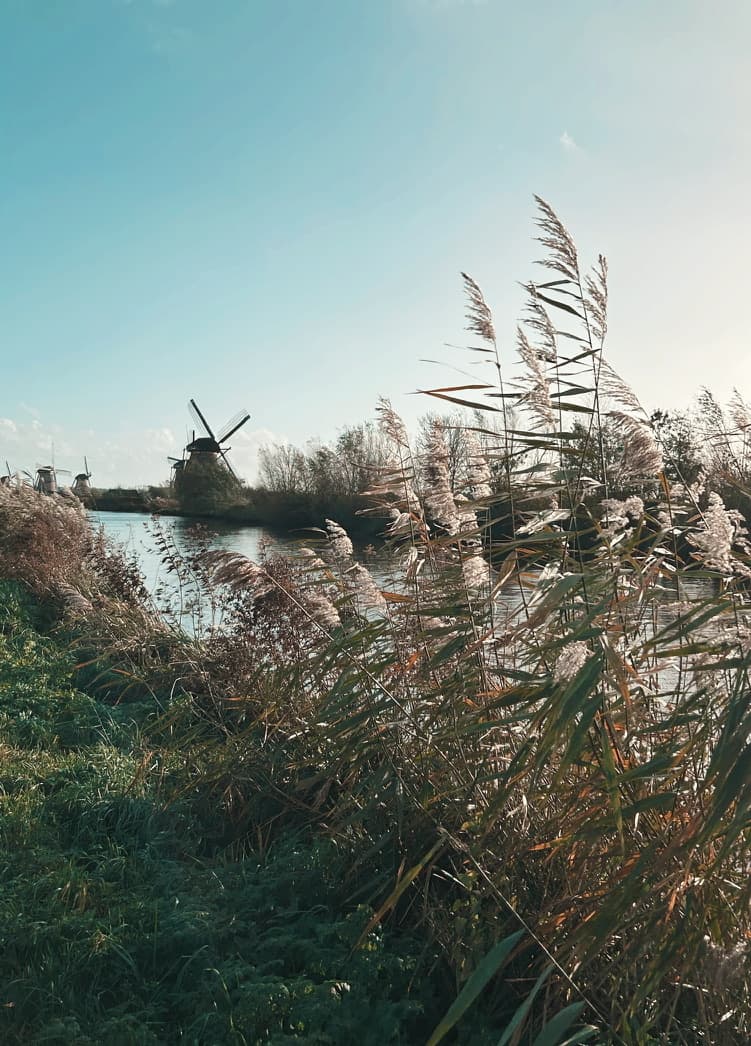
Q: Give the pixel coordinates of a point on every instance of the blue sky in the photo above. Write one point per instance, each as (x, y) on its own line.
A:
(266, 203)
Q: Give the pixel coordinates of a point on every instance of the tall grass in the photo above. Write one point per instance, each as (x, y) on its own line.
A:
(549, 718)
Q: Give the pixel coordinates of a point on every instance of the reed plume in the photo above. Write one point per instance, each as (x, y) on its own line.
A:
(439, 496)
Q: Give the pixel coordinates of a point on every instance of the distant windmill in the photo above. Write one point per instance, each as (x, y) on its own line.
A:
(46, 481)
(17, 477)
(176, 465)
(210, 447)
(81, 486)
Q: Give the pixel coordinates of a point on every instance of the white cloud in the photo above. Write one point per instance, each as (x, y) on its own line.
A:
(568, 143)
(162, 439)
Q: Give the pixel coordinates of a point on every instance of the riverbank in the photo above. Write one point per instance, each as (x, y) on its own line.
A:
(185, 857)
(135, 907)
(498, 783)
(282, 513)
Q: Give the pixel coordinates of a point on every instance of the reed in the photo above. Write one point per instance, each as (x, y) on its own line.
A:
(556, 711)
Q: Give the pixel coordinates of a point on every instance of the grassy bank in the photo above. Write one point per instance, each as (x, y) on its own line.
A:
(176, 865)
(134, 908)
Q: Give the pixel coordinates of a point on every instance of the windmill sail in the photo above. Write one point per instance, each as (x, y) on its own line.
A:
(211, 447)
(232, 426)
(199, 418)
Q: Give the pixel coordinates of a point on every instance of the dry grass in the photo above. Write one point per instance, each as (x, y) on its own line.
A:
(572, 725)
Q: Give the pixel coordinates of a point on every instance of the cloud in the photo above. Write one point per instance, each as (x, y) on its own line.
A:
(568, 143)
(162, 439)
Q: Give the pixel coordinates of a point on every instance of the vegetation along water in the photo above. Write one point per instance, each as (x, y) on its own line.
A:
(344, 810)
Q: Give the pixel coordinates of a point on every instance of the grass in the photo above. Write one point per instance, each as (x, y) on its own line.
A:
(124, 919)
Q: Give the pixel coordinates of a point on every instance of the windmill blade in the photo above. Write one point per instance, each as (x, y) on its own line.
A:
(86, 467)
(175, 461)
(226, 462)
(63, 472)
(197, 416)
(232, 426)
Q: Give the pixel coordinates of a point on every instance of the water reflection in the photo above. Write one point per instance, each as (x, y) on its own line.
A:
(135, 534)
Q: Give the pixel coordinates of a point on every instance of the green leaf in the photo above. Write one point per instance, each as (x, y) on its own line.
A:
(400, 887)
(523, 1011)
(553, 1031)
(583, 1035)
(489, 966)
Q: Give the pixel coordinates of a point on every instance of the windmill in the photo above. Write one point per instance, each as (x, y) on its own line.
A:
(208, 448)
(81, 486)
(19, 477)
(176, 465)
(46, 480)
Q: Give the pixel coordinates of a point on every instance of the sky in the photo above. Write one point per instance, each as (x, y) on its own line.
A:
(266, 204)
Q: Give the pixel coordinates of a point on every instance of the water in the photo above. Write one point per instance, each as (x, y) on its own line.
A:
(131, 532)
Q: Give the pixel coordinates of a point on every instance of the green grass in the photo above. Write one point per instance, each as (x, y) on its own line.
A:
(119, 921)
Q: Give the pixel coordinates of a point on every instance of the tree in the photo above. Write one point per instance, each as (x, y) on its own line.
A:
(599, 455)
(204, 487)
(341, 468)
(282, 468)
(680, 444)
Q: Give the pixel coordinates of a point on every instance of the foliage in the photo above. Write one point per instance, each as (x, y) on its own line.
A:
(681, 444)
(116, 925)
(570, 728)
(339, 469)
(295, 511)
(43, 540)
(205, 488)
